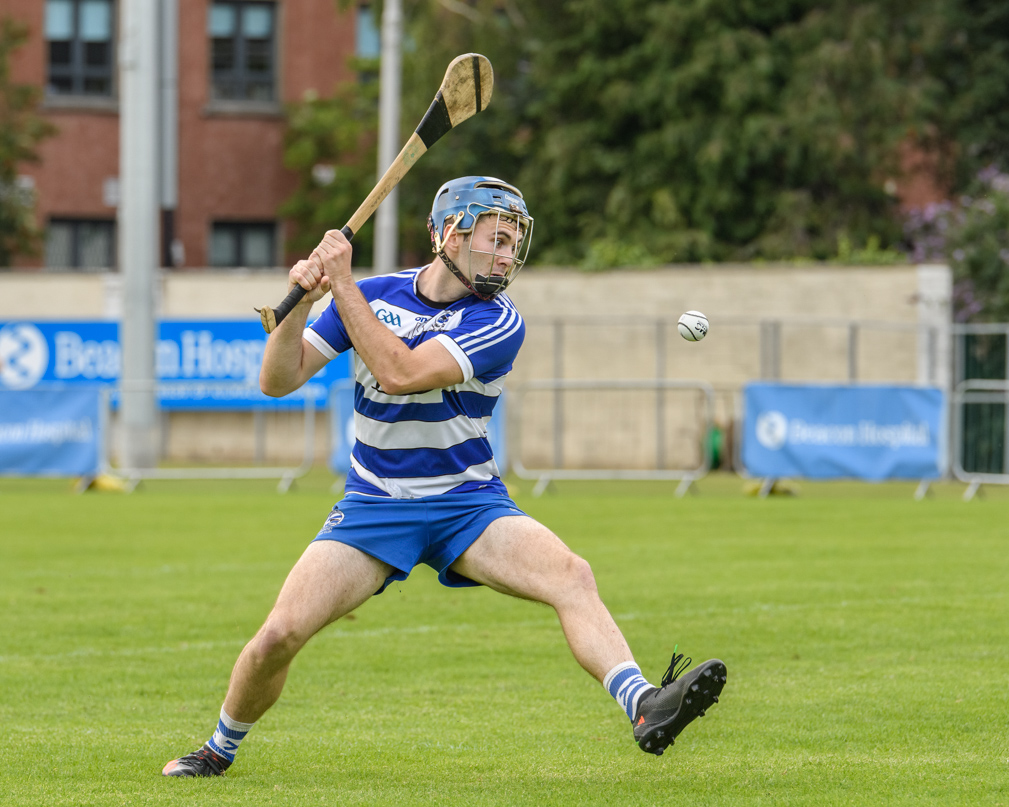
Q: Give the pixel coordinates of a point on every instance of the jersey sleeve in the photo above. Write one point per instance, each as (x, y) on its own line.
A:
(486, 342)
(327, 334)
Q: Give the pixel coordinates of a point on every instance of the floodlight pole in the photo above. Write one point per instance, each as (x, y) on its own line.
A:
(386, 254)
(137, 237)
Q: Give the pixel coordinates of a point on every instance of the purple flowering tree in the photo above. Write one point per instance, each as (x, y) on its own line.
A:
(972, 236)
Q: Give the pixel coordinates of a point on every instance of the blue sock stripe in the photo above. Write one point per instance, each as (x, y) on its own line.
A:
(625, 697)
(621, 678)
(630, 696)
(220, 751)
(230, 733)
(633, 688)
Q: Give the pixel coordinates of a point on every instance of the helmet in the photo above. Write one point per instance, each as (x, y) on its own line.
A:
(457, 195)
(458, 205)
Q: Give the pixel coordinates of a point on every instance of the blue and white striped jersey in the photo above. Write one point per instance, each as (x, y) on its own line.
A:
(432, 442)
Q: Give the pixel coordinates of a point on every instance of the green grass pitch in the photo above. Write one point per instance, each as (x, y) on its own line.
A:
(866, 636)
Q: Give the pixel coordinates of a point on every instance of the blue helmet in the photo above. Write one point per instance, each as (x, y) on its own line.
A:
(486, 193)
(457, 207)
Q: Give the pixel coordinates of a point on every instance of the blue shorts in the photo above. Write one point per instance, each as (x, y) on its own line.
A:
(434, 530)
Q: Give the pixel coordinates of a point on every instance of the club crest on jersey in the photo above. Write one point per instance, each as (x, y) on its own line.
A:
(445, 321)
(333, 521)
(442, 320)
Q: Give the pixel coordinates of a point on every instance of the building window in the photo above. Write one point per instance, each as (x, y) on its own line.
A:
(81, 244)
(79, 34)
(243, 64)
(243, 243)
(368, 37)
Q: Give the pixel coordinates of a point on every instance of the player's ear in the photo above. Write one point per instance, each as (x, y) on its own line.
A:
(455, 240)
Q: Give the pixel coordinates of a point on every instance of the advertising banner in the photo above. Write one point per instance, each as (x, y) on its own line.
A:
(51, 432)
(851, 431)
(198, 364)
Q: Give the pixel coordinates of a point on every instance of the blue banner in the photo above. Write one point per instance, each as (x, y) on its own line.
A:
(51, 432)
(829, 432)
(199, 364)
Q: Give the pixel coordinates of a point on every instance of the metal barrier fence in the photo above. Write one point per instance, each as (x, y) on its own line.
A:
(590, 438)
(980, 412)
(990, 394)
(741, 349)
(285, 475)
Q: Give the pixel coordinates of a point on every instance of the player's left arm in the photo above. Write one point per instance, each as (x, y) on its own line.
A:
(398, 369)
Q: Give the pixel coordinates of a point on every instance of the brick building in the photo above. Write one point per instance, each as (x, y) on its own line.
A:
(237, 63)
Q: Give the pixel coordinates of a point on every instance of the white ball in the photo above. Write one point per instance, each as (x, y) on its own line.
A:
(693, 326)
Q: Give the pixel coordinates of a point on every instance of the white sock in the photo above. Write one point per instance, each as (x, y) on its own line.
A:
(626, 684)
(228, 736)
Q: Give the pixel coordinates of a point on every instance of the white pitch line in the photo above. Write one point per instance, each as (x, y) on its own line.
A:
(367, 633)
(185, 647)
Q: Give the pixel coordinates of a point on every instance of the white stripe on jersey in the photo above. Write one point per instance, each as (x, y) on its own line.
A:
(476, 334)
(415, 487)
(458, 354)
(440, 434)
(319, 344)
(363, 376)
(503, 336)
(505, 320)
(511, 324)
(372, 394)
(492, 389)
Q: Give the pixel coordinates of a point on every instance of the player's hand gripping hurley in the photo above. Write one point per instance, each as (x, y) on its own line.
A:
(465, 90)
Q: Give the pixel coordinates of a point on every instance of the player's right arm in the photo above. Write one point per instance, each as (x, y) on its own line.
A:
(289, 360)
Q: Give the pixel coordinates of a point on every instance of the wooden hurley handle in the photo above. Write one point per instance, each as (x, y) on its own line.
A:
(465, 90)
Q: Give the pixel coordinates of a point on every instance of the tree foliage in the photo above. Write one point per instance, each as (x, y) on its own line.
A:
(653, 131)
(21, 130)
(330, 144)
(971, 233)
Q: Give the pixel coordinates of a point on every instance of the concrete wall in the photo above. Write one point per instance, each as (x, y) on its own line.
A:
(821, 323)
(617, 324)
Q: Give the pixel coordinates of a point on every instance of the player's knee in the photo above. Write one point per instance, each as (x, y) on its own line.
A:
(579, 575)
(277, 640)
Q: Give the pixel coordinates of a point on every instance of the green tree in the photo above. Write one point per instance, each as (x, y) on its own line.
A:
(703, 130)
(653, 131)
(970, 233)
(341, 131)
(21, 131)
(972, 62)
(330, 145)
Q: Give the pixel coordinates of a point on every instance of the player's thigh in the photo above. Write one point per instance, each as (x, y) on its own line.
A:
(519, 556)
(329, 580)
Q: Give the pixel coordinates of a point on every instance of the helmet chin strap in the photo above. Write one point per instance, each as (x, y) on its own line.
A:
(484, 287)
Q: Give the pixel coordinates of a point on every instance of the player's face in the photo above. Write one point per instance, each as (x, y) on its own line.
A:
(493, 245)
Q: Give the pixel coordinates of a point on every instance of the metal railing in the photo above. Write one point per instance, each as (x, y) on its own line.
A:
(770, 348)
(285, 475)
(560, 418)
(969, 392)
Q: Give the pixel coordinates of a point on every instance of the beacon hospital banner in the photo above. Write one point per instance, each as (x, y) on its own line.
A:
(52, 431)
(198, 364)
(846, 431)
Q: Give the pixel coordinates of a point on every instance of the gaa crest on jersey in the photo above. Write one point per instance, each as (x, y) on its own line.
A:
(333, 521)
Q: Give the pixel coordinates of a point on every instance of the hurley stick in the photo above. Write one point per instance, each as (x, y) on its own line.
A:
(465, 90)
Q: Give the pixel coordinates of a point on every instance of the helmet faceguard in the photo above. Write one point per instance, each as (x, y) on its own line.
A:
(458, 207)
